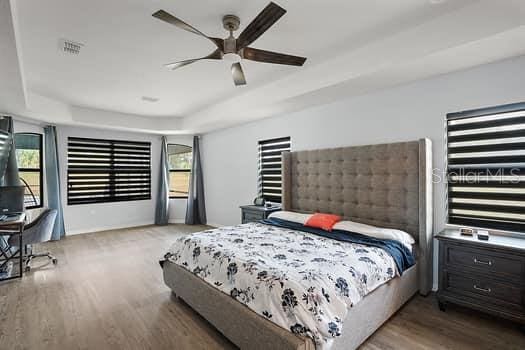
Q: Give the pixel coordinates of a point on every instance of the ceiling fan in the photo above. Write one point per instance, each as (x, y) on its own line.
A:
(236, 49)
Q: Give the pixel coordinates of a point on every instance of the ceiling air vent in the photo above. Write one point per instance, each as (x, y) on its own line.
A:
(69, 47)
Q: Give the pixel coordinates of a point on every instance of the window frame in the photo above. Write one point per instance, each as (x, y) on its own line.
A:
(179, 171)
(32, 170)
(504, 228)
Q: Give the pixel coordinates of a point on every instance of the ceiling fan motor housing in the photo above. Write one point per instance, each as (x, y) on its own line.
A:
(230, 45)
(231, 22)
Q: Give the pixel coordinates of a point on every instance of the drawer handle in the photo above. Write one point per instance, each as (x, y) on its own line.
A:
(486, 290)
(481, 262)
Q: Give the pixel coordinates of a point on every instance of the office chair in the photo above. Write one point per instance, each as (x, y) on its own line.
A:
(37, 231)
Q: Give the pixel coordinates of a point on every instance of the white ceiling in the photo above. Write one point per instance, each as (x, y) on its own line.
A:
(352, 47)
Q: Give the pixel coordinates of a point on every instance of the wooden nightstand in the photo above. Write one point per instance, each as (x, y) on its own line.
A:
(254, 213)
(485, 275)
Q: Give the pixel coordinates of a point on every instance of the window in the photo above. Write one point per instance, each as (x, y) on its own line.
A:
(270, 164)
(29, 158)
(5, 148)
(486, 162)
(107, 171)
(179, 159)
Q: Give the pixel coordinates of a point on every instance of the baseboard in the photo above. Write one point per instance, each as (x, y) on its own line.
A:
(107, 228)
(117, 227)
(181, 221)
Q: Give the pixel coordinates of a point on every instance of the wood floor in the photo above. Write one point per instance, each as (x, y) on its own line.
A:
(107, 293)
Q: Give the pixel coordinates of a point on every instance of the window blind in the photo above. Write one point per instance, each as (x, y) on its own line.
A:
(270, 166)
(107, 170)
(485, 172)
(5, 147)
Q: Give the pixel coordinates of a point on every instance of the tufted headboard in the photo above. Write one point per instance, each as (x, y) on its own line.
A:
(387, 185)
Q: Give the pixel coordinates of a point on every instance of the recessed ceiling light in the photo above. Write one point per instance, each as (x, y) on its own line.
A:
(149, 99)
(436, 2)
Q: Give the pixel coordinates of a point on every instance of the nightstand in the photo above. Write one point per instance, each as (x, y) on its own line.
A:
(254, 213)
(484, 275)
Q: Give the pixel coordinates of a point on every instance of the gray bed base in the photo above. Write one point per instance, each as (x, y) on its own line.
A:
(248, 330)
(386, 185)
(238, 323)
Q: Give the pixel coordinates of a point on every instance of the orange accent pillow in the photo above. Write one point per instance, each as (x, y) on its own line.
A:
(323, 221)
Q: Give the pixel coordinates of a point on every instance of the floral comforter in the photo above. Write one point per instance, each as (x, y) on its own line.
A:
(300, 281)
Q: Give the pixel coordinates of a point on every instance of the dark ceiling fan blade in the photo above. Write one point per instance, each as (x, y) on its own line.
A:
(252, 54)
(179, 64)
(168, 18)
(238, 74)
(216, 55)
(260, 24)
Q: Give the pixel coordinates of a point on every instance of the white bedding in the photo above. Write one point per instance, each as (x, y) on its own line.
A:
(368, 230)
(300, 281)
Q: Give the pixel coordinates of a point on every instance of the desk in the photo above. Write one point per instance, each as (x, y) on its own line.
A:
(13, 226)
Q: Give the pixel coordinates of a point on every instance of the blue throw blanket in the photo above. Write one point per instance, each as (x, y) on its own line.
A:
(401, 254)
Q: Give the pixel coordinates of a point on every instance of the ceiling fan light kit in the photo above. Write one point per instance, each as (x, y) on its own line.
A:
(232, 57)
(234, 49)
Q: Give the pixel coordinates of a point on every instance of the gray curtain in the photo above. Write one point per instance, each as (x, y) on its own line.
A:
(163, 199)
(8, 166)
(52, 172)
(196, 210)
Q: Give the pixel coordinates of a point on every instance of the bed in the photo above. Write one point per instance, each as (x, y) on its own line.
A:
(387, 185)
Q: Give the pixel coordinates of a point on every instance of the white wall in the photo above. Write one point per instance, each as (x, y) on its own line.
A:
(20, 126)
(403, 113)
(102, 216)
(178, 205)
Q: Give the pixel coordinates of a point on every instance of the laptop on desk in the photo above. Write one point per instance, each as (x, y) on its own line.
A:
(11, 202)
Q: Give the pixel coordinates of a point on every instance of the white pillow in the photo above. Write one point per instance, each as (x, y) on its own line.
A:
(376, 232)
(291, 216)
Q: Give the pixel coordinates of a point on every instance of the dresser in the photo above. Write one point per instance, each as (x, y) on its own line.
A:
(254, 213)
(484, 275)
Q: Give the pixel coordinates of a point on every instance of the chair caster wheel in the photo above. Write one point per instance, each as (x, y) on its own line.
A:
(28, 268)
(55, 261)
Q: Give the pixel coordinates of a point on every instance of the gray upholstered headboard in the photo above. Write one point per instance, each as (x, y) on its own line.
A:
(387, 185)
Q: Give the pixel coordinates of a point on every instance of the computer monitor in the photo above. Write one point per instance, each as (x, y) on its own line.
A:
(11, 199)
